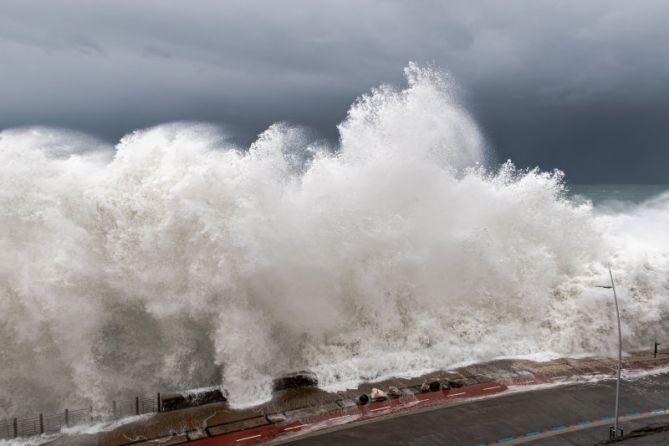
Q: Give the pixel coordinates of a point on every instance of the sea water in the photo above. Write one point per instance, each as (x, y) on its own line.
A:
(611, 195)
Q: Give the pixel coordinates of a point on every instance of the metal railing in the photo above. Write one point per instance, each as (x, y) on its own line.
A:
(52, 423)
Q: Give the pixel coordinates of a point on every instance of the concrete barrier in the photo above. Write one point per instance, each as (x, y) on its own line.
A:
(175, 401)
(296, 380)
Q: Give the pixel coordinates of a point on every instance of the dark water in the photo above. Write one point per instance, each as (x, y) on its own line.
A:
(601, 194)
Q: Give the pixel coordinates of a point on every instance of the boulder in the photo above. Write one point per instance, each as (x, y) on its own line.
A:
(394, 392)
(378, 395)
(435, 386)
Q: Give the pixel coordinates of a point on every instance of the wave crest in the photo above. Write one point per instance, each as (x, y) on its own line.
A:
(180, 260)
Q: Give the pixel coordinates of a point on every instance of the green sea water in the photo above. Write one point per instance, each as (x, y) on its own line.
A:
(603, 194)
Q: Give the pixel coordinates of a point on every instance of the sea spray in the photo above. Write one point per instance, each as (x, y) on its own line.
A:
(177, 260)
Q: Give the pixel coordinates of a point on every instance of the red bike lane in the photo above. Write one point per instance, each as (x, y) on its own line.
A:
(350, 415)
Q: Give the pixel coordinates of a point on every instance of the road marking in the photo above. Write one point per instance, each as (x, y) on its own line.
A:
(249, 438)
(583, 424)
(410, 404)
(294, 427)
(456, 394)
(493, 387)
(337, 418)
(379, 408)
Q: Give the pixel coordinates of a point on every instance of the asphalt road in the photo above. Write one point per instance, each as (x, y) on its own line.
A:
(499, 419)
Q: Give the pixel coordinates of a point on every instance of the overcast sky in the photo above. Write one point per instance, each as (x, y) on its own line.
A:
(574, 84)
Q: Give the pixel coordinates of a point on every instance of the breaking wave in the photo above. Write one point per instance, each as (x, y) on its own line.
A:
(177, 260)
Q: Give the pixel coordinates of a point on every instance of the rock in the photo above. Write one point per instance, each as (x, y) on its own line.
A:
(346, 403)
(425, 387)
(297, 380)
(275, 417)
(435, 386)
(363, 399)
(394, 392)
(445, 383)
(378, 395)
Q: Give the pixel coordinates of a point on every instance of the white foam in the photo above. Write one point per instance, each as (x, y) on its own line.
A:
(176, 260)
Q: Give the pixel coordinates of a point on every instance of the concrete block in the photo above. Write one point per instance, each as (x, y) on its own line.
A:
(297, 380)
(175, 401)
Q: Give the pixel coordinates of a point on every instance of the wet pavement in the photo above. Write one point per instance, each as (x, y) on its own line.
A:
(541, 417)
(298, 412)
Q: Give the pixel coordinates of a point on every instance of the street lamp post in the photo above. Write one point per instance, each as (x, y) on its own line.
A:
(616, 429)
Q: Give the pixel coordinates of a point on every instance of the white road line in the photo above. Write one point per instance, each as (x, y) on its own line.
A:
(493, 387)
(456, 394)
(249, 438)
(379, 408)
(523, 439)
(412, 403)
(343, 416)
(294, 427)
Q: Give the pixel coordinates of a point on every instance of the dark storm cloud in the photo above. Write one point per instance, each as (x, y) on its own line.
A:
(559, 84)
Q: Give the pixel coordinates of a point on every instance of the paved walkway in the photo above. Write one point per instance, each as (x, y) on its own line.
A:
(298, 412)
(577, 414)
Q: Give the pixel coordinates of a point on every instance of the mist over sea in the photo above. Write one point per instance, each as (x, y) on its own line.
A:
(176, 260)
